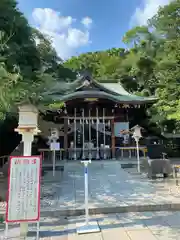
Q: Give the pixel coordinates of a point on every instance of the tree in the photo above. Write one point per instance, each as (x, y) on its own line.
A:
(20, 48)
(30, 69)
(29, 65)
(167, 21)
(167, 69)
(103, 65)
(150, 65)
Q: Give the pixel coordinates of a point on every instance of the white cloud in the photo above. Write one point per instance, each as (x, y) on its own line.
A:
(65, 38)
(86, 21)
(148, 10)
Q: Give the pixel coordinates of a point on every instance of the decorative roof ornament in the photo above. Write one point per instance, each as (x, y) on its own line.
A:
(86, 83)
(86, 75)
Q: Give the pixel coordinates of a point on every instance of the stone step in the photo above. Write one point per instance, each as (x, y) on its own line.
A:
(111, 210)
(107, 210)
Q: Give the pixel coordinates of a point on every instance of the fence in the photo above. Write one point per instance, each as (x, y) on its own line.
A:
(3, 160)
(93, 153)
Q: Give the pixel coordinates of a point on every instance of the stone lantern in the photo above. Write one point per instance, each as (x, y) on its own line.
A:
(28, 117)
(27, 127)
(136, 130)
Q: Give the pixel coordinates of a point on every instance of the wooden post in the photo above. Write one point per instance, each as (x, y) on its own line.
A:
(65, 138)
(112, 139)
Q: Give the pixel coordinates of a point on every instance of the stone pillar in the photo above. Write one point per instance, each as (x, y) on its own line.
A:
(65, 138)
(112, 139)
(27, 127)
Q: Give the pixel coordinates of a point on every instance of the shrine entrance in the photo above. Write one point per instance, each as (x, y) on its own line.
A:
(91, 136)
(92, 118)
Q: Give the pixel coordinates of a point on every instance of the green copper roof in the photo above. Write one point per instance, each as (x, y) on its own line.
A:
(118, 89)
(83, 88)
(115, 88)
(101, 94)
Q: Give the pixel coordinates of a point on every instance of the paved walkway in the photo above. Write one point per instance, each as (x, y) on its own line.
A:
(129, 226)
(109, 185)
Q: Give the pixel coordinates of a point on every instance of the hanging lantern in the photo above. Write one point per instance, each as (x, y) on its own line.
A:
(92, 121)
(109, 123)
(86, 121)
(68, 122)
(80, 121)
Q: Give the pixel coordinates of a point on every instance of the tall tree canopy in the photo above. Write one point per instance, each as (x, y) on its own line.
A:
(30, 67)
(150, 66)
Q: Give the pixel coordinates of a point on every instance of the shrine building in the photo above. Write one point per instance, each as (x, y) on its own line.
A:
(92, 119)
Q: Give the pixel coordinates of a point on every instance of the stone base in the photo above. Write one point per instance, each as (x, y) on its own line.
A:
(92, 227)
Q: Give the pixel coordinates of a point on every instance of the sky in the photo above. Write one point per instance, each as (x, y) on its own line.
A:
(78, 26)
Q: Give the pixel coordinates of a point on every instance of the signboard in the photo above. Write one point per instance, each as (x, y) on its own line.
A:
(23, 200)
(120, 126)
(55, 146)
(91, 99)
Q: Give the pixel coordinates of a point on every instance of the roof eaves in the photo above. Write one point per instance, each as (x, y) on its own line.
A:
(119, 98)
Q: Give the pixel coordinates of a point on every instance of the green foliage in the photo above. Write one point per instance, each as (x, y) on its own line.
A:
(151, 65)
(103, 65)
(56, 105)
(18, 46)
(135, 35)
(29, 65)
(167, 21)
(30, 69)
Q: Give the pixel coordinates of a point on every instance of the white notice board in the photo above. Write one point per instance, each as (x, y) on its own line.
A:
(23, 200)
(55, 146)
(120, 126)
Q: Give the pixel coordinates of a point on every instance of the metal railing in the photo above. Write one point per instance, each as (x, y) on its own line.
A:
(72, 154)
(47, 155)
(79, 153)
(3, 160)
(130, 151)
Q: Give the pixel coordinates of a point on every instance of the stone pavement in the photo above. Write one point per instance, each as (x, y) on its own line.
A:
(109, 186)
(111, 190)
(124, 226)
